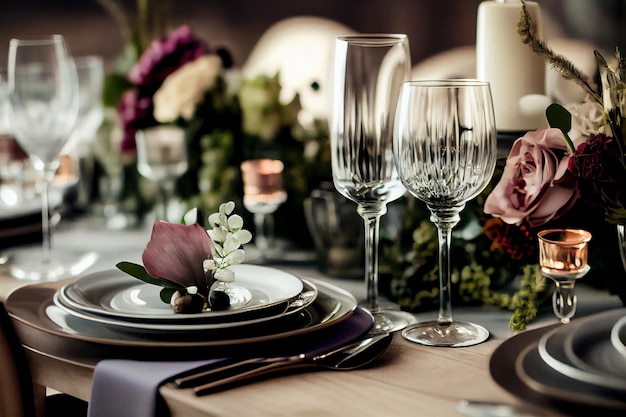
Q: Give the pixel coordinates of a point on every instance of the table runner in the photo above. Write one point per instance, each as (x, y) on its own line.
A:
(129, 388)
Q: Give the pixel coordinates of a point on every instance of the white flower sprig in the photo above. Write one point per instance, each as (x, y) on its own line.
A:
(228, 236)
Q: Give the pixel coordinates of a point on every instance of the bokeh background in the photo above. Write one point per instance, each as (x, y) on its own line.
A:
(432, 25)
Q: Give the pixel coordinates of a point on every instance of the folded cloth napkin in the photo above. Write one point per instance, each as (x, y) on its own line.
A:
(130, 388)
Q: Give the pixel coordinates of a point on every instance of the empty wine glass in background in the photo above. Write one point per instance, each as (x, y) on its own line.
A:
(369, 71)
(162, 158)
(445, 147)
(563, 259)
(77, 152)
(43, 97)
(263, 193)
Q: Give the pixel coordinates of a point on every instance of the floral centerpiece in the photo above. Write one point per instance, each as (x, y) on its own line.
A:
(179, 79)
(569, 175)
(190, 262)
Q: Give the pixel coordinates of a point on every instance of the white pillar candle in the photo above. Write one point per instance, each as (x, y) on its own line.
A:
(511, 67)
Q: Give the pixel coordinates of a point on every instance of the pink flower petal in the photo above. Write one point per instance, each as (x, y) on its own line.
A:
(176, 252)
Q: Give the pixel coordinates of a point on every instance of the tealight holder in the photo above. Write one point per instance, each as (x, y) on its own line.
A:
(563, 259)
(263, 193)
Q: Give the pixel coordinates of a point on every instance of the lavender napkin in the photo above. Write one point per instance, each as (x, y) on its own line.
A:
(130, 388)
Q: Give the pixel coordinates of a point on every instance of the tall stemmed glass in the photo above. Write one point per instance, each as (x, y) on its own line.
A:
(445, 147)
(43, 93)
(369, 72)
(162, 158)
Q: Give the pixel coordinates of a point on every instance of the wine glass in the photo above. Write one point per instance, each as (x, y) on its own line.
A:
(563, 259)
(90, 71)
(263, 193)
(445, 149)
(162, 158)
(369, 71)
(43, 97)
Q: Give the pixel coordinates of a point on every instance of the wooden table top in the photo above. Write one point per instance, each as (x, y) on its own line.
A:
(408, 380)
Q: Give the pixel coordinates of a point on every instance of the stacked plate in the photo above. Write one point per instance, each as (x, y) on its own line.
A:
(116, 299)
(109, 311)
(581, 363)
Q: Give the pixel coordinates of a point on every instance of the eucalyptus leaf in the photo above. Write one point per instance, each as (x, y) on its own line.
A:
(140, 272)
(559, 117)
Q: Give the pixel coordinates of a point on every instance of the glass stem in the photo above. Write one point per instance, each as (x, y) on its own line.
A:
(45, 221)
(445, 294)
(166, 189)
(564, 300)
(371, 216)
(264, 226)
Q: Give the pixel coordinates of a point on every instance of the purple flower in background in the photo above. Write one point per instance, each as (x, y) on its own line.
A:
(157, 62)
(165, 56)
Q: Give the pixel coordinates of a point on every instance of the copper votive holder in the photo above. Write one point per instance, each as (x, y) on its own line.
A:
(563, 255)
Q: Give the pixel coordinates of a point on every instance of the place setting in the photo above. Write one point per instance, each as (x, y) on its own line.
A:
(577, 364)
(251, 320)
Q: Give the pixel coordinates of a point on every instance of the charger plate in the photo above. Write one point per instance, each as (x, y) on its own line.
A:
(117, 295)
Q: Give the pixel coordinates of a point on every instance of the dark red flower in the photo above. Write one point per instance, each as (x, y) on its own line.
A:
(516, 241)
(597, 160)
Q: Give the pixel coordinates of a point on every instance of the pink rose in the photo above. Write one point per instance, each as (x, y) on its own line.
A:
(535, 185)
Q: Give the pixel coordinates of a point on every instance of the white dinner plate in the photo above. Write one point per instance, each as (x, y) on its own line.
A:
(618, 336)
(115, 294)
(305, 298)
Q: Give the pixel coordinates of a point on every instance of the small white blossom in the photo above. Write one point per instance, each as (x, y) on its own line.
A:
(224, 275)
(228, 236)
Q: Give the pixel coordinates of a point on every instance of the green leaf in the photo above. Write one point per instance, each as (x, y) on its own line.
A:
(114, 86)
(166, 294)
(559, 117)
(140, 272)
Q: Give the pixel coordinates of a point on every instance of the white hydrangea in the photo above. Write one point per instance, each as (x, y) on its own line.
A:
(185, 88)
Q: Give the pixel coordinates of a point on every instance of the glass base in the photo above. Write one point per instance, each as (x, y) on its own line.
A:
(26, 264)
(456, 334)
(387, 321)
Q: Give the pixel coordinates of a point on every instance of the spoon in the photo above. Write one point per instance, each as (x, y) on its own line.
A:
(347, 357)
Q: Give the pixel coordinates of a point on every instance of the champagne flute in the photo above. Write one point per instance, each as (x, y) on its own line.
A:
(445, 148)
(369, 71)
(43, 97)
(162, 158)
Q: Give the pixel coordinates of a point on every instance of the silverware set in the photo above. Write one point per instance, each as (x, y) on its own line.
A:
(351, 356)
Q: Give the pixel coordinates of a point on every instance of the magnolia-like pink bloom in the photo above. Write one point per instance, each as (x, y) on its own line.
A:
(176, 253)
(535, 185)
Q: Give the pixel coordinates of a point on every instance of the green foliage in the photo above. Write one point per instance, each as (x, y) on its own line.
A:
(558, 117)
(139, 272)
